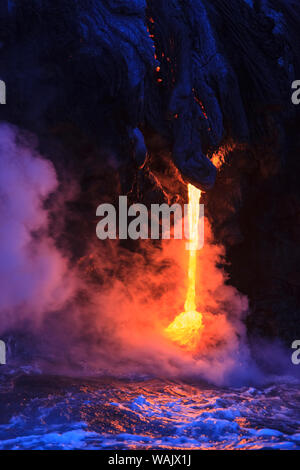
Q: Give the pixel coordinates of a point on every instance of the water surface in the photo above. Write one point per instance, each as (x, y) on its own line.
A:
(54, 412)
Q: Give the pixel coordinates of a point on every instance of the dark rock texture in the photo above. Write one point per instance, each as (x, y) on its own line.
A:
(103, 80)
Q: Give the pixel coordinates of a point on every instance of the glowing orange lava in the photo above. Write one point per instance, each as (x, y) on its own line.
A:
(186, 328)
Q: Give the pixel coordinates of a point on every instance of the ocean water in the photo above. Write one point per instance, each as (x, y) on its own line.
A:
(55, 412)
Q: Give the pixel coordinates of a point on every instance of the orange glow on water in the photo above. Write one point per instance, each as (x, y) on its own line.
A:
(186, 328)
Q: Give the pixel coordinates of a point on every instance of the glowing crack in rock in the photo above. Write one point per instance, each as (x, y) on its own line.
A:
(186, 328)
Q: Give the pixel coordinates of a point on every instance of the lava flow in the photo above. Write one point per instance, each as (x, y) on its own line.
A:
(186, 328)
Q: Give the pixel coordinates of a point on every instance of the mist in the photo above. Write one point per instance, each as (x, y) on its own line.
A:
(33, 271)
(113, 321)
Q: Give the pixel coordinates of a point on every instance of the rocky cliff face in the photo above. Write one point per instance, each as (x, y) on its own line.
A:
(177, 81)
(254, 208)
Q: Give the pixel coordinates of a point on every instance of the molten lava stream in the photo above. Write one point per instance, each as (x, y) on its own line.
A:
(186, 328)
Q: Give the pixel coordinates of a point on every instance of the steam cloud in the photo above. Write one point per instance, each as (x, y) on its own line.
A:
(114, 325)
(32, 270)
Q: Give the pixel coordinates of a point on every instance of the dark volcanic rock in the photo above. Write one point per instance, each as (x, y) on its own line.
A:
(95, 80)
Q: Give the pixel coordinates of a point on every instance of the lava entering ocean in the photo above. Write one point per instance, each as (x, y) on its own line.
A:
(186, 328)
